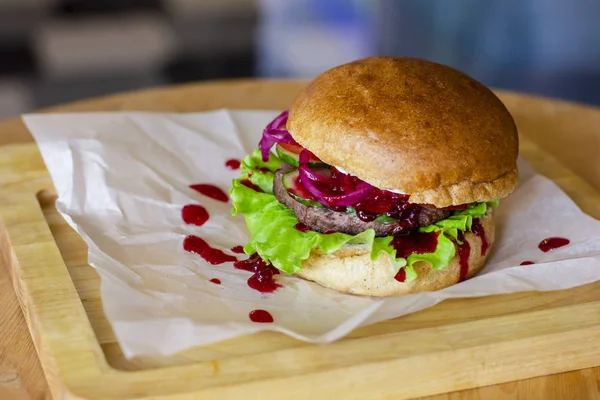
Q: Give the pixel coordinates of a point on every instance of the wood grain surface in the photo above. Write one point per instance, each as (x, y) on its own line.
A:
(569, 134)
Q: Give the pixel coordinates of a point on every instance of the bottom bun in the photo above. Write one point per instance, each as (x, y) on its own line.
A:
(351, 269)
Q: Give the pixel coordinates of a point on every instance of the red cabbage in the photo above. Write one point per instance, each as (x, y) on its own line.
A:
(308, 178)
(273, 133)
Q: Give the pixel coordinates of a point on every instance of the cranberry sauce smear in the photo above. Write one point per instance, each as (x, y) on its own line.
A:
(416, 242)
(527, 263)
(248, 183)
(478, 230)
(391, 204)
(232, 164)
(194, 214)
(238, 249)
(401, 275)
(262, 279)
(216, 281)
(211, 191)
(195, 244)
(553, 243)
(260, 316)
(301, 227)
(464, 252)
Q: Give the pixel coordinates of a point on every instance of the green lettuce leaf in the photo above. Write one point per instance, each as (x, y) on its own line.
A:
(259, 172)
(459, 220)
(493, 203)
(276, 240)
(382, 245)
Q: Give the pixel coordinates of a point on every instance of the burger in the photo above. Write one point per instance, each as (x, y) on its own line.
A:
(381, 179)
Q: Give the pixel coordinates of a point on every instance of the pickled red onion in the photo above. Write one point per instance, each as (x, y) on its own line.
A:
(314, 176)
(307, 177)
(275, 132)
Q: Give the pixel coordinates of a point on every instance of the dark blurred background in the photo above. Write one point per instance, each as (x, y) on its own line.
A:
(55, 51)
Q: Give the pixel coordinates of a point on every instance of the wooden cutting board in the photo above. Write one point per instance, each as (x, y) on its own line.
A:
(455, 345)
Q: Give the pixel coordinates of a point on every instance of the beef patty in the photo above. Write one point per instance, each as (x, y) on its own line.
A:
(326, 220)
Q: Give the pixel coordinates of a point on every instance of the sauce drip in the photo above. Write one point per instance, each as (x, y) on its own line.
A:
(260, 316)
(194, 214)
(527, 263)
(195, 244)
(464, 252)
(238, 249)
(401, 275)
(392, 205)
(211, 191)
(248, 183)
(232, 164)
(301, 227)
(415, 242)
(216, 281)
(262, 277)
(553, 243)
(478, 230)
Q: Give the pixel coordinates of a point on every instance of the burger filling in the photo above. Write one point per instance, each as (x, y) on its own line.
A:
(387, 215)
(294, 203)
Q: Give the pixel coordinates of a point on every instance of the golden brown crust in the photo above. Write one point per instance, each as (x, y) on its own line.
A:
(351, 269)
(467, 191)
(410, 125)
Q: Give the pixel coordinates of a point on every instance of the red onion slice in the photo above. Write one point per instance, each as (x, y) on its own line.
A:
(314, 176)
(305, 156)
(307, 176)
(303, 160)
(279, 121)
(273, 133)
(363, 190)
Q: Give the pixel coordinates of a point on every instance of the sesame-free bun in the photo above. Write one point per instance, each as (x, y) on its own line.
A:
(351, 269)
(410, 125)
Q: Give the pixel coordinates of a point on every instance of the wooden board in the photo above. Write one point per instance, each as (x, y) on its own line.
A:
(456, 345)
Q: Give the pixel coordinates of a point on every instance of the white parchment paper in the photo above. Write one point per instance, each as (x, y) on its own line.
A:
(122, 179)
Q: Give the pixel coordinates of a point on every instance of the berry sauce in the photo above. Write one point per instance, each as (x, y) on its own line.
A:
(464, 252)
(211, 191)
(553, 243)
(248, 183)
(195, 244)
(401, 275)
(194, 214)
(238, 249)
(301, 227)
(216, 281)
(262, 277)
(478, 230)
(298, 189)
(260, 316)
(232, 164)
(415, 242)
(527, 263)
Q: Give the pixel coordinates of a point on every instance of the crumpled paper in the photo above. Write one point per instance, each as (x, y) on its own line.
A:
(123, 178)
